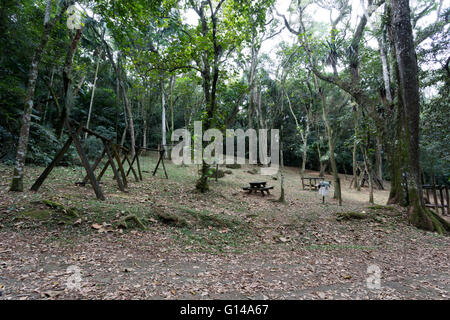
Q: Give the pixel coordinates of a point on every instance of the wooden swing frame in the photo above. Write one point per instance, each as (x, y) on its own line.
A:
(110, 150)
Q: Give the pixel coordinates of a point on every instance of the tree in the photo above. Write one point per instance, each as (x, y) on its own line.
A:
(409, 87)
(222, 28)
(17, 181)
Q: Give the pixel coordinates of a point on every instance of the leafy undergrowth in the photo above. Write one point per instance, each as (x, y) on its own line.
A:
(222, 244)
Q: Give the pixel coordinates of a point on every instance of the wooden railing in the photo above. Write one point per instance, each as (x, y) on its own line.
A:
(437, 197)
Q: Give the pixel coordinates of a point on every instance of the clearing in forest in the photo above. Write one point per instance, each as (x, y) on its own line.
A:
(163, 240)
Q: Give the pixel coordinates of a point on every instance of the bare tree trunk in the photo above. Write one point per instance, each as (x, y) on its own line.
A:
(378, 159)
(131, 123)
(210, 75)
(117, 105)
(282, 196)
(17, 181)
(409, 84)
(49, 93)
(125, 130)
(259, 109)
(321, 164)
(68, 83)
(93, 94)
(305, 150)
(368, 169)
(337, 182)
(144, 117)
(304, 135)
(251, 80)
(163, 117)
(305, 140)
(355, 181)
(171, 86)
(384, 64)
(120, 85)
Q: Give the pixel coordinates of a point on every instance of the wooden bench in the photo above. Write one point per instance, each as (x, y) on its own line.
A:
(258, 186)
(313, 182)
(440, 198)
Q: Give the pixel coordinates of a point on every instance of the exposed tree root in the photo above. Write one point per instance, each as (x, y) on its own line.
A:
(350, 215)
(131, 218)
(427, 219)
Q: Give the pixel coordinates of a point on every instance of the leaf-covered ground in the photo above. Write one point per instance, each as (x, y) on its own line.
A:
(225, 244)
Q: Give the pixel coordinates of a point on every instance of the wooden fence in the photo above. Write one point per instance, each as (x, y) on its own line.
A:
(437, 197)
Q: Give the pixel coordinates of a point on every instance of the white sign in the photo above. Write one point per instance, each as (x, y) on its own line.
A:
(324, 189)
(374, 279)
(74, 281)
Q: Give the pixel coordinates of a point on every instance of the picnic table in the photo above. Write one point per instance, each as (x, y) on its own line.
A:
(312, 182)
(258, 186)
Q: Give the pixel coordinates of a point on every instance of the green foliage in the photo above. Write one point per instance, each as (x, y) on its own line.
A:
(151, 41)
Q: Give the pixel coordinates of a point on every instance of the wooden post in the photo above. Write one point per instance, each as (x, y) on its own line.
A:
(447, 198)
(97, 162)
(119, 163)
(159, 160)
(436, 208)
(131, 168)
(442, 199)
(125, 157)
(138, 163)
(162, 161)
(99, 177)
(131, 164)
(113, 166)
(85, 162)
(58, 157)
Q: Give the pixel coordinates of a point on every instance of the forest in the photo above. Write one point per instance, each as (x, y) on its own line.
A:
(359, 91)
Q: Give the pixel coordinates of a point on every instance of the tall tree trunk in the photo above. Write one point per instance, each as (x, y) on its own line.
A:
(409, 83)
(68, 83)
(282, 195)
(163, 118)
(210, 75)
(48, 95)
(305, 140)
(395, 140)
(259, 110)
(121, 86)
(144, 117)
(251, 80)
(303, 134)
(368, 168)
(337, 182)
(130, 120)
(378, 159)
(93, 94)
(322, 166)
(117, 104)
(385, 69)
(305, 150)
(355, 180)
(17, 181)
(125, 130)
(172, 85)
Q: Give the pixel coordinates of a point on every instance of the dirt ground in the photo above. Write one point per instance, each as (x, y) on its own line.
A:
(62, 243)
